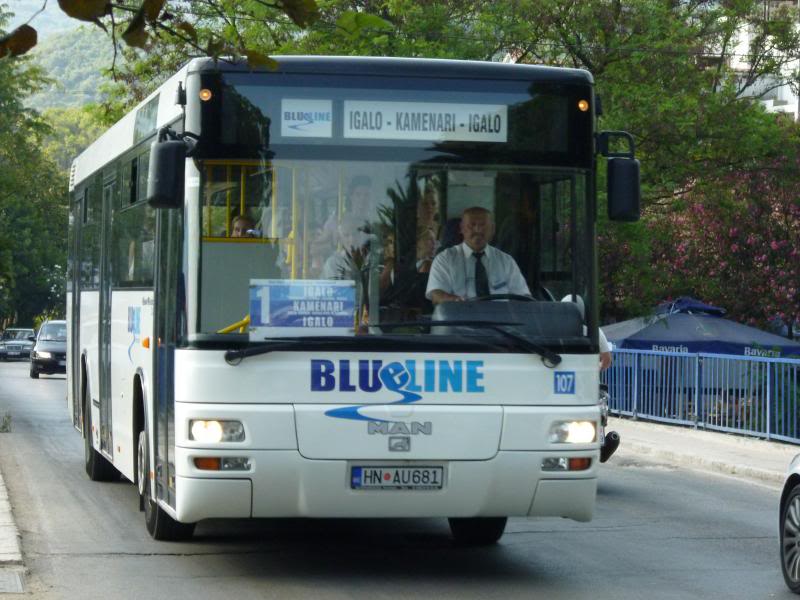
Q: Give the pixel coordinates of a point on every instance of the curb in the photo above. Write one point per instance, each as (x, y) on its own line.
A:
(717, 466)
(10, 554)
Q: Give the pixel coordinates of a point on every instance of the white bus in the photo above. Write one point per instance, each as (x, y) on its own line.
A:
(250, 329)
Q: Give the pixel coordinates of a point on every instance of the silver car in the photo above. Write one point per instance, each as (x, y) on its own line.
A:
(790, 527)
(16, 343)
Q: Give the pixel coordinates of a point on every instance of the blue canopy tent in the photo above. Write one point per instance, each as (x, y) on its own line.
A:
(688, 325)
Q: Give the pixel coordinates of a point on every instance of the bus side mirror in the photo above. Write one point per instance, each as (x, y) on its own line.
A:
(623, 189)
(166, 172)
(623, 175)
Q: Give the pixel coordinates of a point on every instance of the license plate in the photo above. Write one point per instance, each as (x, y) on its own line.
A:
(396, 478)
(13, 353)
(62, 363)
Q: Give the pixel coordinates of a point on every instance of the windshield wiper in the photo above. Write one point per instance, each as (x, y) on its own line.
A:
(234, 357)
(549, 358)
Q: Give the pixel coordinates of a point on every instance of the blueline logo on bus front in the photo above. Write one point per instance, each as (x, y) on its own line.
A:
(304, 117)
(408, 379)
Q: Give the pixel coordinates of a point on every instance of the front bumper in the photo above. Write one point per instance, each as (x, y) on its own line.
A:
(49, 365)
(15, 354)
(284, 484)
(284, 479)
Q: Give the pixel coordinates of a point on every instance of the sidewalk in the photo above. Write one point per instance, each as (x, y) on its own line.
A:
(9, 536)
(750, 458)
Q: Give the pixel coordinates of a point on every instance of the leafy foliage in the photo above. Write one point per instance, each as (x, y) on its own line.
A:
(76, 62)
(32, 212)
(209, 27)
(738, 245)
(71, 132)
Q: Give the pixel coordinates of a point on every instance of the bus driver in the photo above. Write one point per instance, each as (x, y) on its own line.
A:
(474, 268)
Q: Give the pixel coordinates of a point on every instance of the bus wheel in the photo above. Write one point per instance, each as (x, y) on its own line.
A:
(97, 466)
(478, 531)
(159, 524)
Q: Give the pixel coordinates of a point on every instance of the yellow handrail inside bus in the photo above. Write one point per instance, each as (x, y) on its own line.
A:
(240, 325)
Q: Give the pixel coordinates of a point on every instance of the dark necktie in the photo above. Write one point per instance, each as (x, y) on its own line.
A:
(481, 277)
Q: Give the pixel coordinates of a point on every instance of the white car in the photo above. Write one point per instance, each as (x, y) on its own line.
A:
(16, 343)
(790, 527)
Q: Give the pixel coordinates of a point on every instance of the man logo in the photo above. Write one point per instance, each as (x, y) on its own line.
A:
(400, 444)
(399, 428)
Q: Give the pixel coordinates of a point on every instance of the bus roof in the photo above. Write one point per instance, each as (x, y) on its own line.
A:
(403, 67)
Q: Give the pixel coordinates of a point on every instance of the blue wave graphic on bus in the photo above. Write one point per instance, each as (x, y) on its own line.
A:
(134, 327)
(407, 379)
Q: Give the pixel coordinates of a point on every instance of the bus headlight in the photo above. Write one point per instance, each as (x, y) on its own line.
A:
(213, 431)
(573, 432)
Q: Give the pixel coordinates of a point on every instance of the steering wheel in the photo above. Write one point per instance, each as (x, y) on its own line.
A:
(491, 297)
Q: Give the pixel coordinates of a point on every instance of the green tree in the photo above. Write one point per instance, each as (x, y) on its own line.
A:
(32, 193)
(71, 132)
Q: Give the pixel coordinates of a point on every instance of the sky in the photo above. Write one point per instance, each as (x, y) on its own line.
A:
(51, 20)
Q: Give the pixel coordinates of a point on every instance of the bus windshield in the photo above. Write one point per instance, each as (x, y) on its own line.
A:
(349, 245)
(329, 211)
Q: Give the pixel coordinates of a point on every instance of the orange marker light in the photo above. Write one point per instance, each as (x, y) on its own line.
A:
(205, 94)
(579, 464)
(146, 343)
(206, 463)
(583, 105)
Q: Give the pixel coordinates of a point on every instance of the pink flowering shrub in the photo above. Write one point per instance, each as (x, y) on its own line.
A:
(736, 245)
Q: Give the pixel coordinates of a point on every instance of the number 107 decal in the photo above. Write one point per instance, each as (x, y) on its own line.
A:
(564, 382)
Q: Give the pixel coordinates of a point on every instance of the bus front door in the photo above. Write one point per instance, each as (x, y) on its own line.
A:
(104, 325)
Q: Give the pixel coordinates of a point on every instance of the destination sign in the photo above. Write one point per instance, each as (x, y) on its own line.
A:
(430, 121)
(301, 307)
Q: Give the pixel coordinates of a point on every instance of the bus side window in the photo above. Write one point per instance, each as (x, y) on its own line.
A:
(90, 235)
(133, 250)
(142, 175)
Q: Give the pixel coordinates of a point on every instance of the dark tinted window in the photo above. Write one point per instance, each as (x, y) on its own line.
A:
(53, 332)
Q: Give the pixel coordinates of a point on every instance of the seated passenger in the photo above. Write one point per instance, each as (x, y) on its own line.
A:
(426, 250)
(352, 252)
(242, 226)
(358, 204)
(474, 268)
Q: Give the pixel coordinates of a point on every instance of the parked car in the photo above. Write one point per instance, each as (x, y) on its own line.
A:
(789, 526)
(49, 355)
(16, 343)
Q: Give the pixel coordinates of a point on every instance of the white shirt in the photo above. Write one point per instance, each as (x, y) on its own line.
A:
(453, 271)
(337, 266)
(603, 341)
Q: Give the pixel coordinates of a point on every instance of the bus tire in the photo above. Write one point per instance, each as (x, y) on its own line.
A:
(159, 524)
(477, 531)
(97, 466)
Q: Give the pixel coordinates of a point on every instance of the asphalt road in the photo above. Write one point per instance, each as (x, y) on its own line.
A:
(659, 532)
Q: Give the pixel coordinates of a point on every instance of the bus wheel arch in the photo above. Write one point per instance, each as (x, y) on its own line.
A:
(98, 468)
(160, 525)
(138, 425)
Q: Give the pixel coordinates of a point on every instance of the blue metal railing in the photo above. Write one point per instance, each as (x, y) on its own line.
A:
(747, 395)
